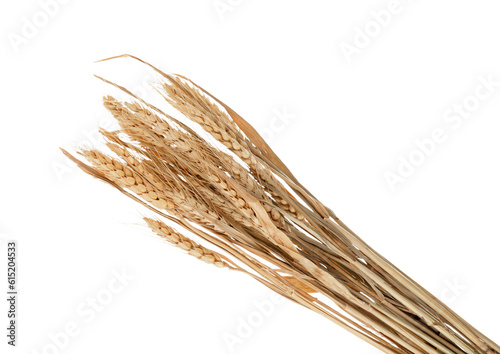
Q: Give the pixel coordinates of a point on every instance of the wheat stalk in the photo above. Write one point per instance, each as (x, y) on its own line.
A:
(212, 175)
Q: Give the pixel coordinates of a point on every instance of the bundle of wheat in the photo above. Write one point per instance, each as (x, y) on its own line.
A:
(215, 177)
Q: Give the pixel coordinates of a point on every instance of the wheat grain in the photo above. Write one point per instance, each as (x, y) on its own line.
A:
(233, 192)
(194, 249)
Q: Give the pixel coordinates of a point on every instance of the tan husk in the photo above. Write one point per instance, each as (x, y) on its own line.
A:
(215, 177)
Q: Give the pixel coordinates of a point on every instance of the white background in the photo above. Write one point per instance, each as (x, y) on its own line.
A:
(351, 122)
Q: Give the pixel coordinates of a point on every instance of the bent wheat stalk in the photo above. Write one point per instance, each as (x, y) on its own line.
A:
(213, 176)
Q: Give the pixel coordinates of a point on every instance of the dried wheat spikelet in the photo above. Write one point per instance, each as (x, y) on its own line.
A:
(213, 176)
